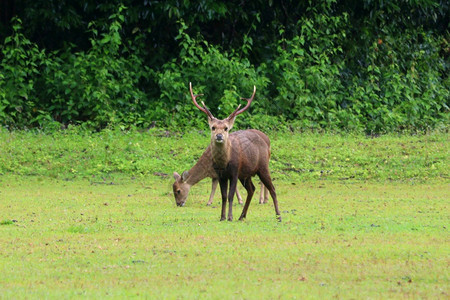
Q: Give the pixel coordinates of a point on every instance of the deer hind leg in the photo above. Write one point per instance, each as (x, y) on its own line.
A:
(264, 195)
(267, 181)
(238, 195)
(248, 184)
(214, 184)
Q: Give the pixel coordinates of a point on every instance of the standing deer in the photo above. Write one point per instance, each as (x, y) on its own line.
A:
(240, 155)
(202, 169)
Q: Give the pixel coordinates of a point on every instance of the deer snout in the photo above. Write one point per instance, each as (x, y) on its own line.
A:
(219, 137)
(181, 204)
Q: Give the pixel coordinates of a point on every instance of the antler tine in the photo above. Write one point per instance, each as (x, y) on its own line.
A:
(249, 101)
(194, 97)
(207, 110)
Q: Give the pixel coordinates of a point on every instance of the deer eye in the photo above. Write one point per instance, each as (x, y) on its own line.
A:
(226, 128)
(178, 192)
(213, 128)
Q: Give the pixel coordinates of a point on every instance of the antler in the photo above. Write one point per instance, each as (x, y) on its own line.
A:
(203, 109)
(240, 111)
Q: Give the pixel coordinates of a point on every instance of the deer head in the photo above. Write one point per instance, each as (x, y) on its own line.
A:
(181, 188)
(221, 128)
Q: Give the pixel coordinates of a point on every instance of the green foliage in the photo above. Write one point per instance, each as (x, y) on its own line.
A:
(401, 87)
(101, 86)
(19, 70)
(221, 77)
(317, 65)
(306, 73)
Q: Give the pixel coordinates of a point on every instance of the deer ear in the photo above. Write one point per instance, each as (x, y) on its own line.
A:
(231, 123)
(184, 176)
(176, 176)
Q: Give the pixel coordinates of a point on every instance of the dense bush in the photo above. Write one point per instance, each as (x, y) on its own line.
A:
(19, 70)
(327, 68)
(221, 77)
(306, 73)
(401, 86)
(101, 86)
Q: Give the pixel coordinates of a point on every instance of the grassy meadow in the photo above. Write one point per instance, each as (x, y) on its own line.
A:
(92, 215)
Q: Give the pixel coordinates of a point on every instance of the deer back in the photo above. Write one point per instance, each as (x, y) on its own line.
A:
(250, 152)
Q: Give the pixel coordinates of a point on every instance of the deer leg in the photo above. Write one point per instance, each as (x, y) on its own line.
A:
(238, 196)
(261, 194)
(233, 184)
(223, 190)
(248, 184)
(266, 193)
(214, 184)
(267, 181)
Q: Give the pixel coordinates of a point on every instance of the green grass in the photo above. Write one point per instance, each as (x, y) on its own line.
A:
(353, 240)
(295, 157)
(362, 218)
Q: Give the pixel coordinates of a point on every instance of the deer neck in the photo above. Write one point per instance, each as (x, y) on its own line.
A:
(201, 170)
(221, 154)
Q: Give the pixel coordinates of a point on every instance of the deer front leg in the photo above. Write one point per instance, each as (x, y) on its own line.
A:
(233, 184)
(223, 190)
(214, 184)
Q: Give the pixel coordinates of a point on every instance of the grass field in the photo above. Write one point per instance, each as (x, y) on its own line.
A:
(374, 235)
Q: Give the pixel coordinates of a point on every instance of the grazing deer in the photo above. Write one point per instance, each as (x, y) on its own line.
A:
(240, 155)
(202, 169)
